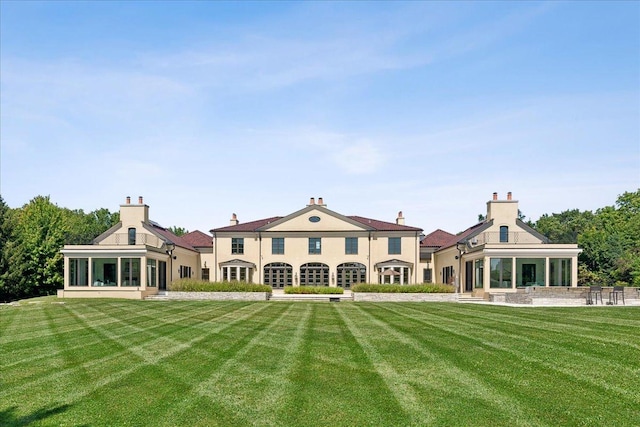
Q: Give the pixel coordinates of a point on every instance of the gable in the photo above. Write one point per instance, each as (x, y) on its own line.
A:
(314, 218)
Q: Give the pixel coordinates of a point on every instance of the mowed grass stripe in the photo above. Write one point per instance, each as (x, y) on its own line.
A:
(547, 354)
(177, 374)
(344, 392)
(414, 353)
(96, 328)
(539, 319)
(109, 367)
(249, 378)
(317, 364)
(538, 368)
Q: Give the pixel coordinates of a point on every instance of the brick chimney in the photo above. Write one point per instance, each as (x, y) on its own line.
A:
(128, 200)
(234, 220)
(312, 201)
(140, 201)
(495, 196)
(400, 219)
(321, 201)
(509, 195)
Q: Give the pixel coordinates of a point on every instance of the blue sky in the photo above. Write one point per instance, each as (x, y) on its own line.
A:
(210, 108)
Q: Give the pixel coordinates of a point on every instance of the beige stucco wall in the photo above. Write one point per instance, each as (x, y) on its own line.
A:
(332, 229)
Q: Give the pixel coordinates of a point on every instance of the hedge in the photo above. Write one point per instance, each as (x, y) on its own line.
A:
(419, 289)
(312, 290)
(190, 285)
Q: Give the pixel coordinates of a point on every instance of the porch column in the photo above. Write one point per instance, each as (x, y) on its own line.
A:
(237, 274)
(574, 272)
(514, 276)
(487, 274)
(402, 275)
(546, 272)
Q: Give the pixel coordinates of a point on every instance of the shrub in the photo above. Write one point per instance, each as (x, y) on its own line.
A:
(190, 285)
(312, 290)
(431, 288)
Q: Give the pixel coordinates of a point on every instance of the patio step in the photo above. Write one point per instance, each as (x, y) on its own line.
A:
(160, 296)
(469, 298)
(310, 297)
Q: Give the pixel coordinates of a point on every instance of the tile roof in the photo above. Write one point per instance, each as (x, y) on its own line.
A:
(382, 225)
(466, 233)
(198, 239)
(169, 236)
(248, 226)
(436, 239)
(367, 222)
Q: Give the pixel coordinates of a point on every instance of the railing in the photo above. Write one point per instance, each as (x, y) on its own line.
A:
(122, 239)
(513, 237)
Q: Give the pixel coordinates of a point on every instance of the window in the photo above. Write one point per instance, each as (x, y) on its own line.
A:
(104, 271)
(185, 271)
(130, 271)
(351, 245)
(479, 273)
(205, 274)
(427, 274)
(237, 245)
(277, 246)
(351, 273)
(559, 271)
(278, 275)
(500, 273)
(79, 272)
(314, 274)
(151, 273)
(394, 246)
(447, 275)
(132, 236)
(530, 271)
(504, 234)
(315, 245)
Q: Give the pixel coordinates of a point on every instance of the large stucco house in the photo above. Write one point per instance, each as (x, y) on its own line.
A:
(316, 246)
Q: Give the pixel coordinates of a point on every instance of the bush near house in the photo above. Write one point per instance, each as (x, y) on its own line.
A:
(190, 285)
(312, 290)
(405, 289)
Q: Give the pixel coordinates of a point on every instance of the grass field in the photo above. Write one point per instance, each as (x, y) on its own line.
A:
(116, 362)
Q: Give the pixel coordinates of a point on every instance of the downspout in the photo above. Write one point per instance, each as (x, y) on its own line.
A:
(460, 252)
(215, 257)
(369, 257)
(260, 256)
(417, 248)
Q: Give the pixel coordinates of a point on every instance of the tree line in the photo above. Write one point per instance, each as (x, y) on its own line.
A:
(32, 236)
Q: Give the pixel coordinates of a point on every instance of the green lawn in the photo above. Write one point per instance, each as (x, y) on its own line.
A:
(116, 362)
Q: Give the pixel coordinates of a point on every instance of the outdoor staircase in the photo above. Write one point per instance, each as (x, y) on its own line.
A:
(160, 296)
(311, 297)
(468, 298)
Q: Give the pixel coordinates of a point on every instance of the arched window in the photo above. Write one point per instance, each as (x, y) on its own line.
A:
(132, 236)
(504, 234)
(314, 274)
(351, 273)
(278, 274)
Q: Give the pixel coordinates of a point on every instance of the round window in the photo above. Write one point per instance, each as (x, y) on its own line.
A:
(314, 219)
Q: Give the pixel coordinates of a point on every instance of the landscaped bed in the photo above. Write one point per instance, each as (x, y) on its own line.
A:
(197, 363)
(365, 292)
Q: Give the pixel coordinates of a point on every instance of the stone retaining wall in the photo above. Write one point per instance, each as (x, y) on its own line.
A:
(219, 296)
(555, 295)
(403, 297)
